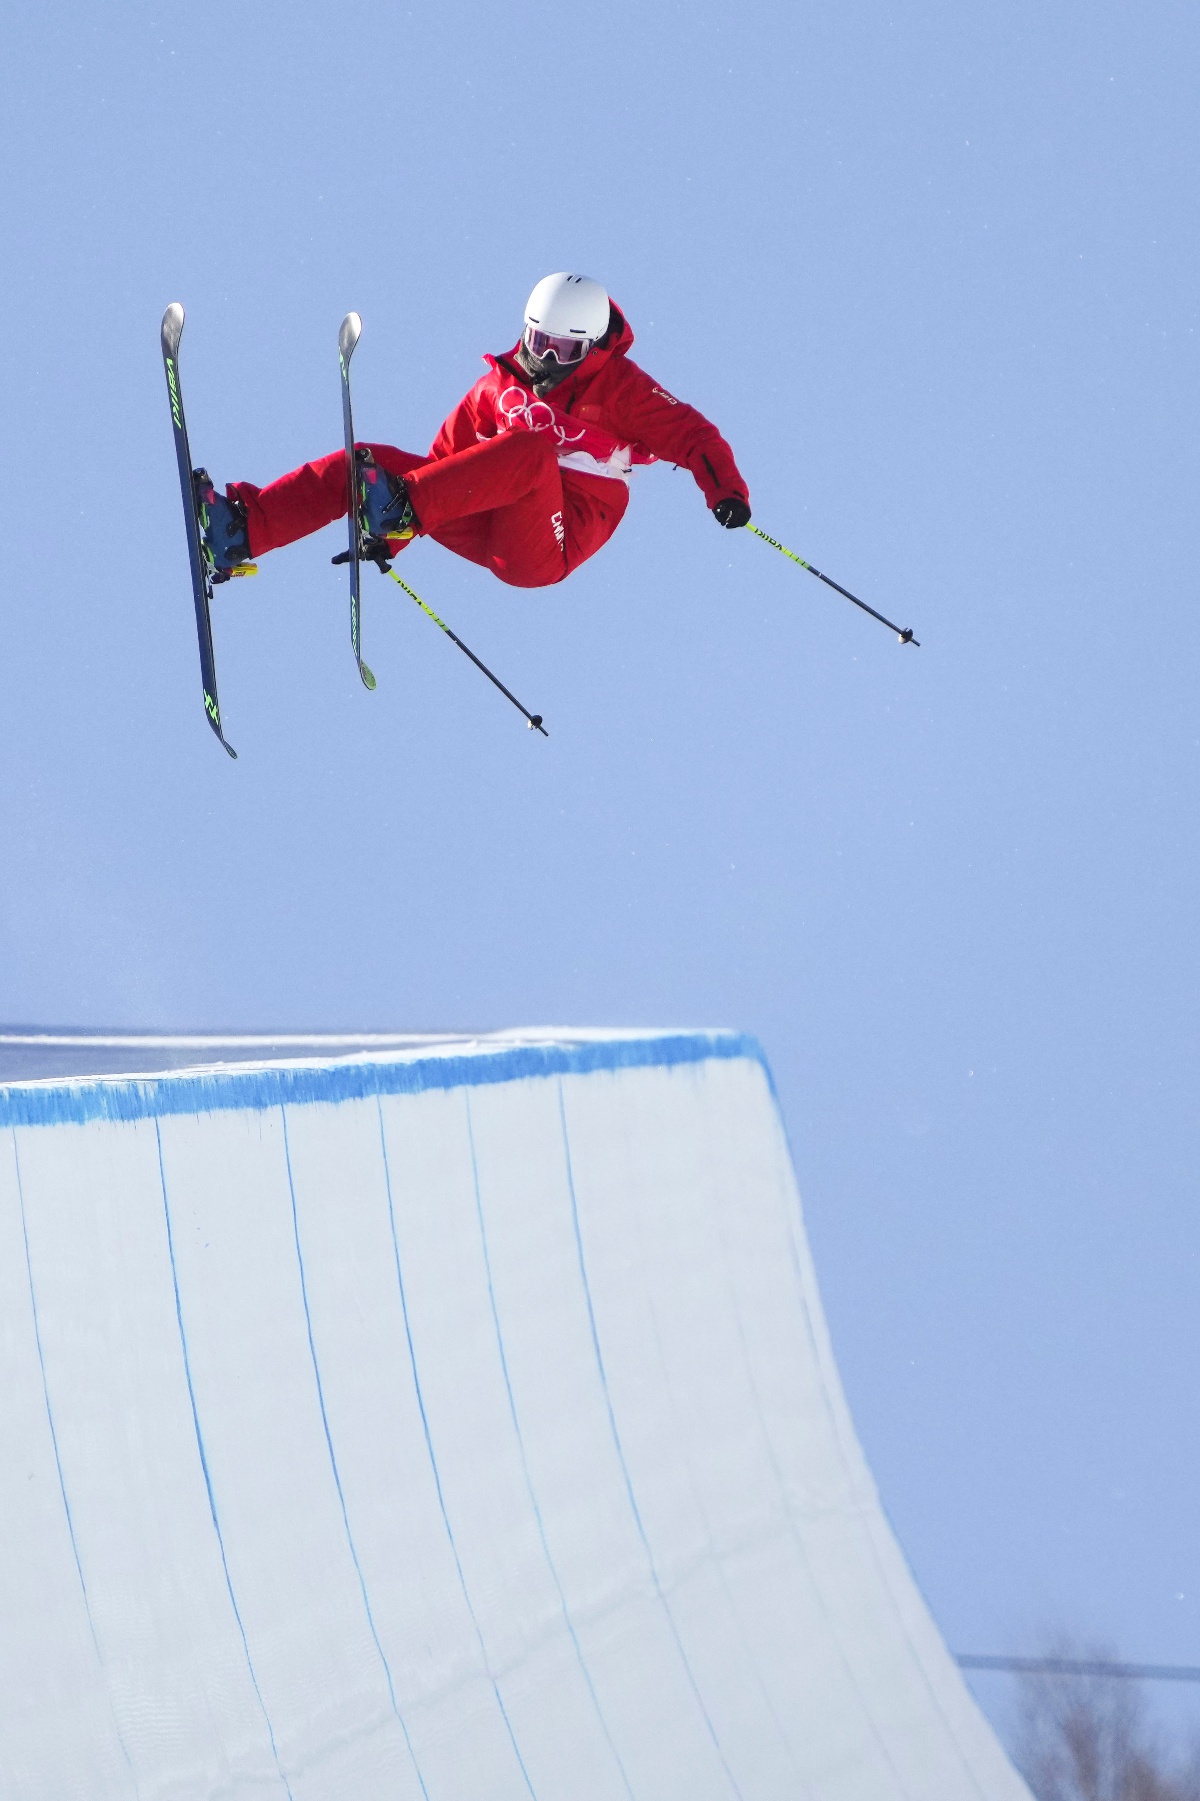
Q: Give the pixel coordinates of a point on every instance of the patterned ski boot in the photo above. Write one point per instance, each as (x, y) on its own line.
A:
(384, 509)
(224, 537)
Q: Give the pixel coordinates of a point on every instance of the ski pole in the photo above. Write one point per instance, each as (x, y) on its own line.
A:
(532, 720)
(904, 633)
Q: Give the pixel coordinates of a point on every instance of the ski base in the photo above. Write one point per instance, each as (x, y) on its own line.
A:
(348, 336)
(172, 332)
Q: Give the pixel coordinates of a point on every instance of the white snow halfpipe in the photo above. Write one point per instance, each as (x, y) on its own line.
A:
(451, 1421)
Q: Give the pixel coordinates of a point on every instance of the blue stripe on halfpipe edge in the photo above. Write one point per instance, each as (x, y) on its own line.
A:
(76, 1102)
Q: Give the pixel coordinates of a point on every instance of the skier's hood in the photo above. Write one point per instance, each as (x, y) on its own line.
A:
(616, 341)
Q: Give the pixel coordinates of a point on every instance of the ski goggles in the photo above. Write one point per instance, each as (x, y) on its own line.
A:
(542, 344)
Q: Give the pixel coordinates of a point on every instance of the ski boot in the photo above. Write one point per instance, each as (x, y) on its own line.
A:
(224, 537)
(384, 509)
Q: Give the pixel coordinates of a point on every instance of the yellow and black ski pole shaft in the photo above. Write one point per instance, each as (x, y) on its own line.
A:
(374, 552)
(904, 633)
(532, 720)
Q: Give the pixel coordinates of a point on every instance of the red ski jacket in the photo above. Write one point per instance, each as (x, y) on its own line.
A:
(607, 419)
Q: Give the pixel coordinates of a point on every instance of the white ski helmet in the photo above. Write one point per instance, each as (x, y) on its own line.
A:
(564, 316)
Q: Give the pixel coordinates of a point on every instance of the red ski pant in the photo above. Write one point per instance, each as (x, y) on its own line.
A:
(500, 503)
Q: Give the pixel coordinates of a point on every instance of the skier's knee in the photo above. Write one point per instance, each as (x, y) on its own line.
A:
(534, 449)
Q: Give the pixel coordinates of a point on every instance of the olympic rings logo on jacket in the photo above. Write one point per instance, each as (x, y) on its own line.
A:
(518, 408)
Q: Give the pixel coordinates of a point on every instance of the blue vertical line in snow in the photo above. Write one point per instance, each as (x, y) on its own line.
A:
(212, 1499)
(794, 1531)
(333, 1463)
(836, 1439)
(620, 1450)
(533, 1500)
(437, 1479)
(748, 1657)
(62, 1483)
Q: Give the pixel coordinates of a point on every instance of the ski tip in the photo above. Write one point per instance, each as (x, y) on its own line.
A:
(367, 678)
(229, 748)
(349, 333)
(172, 328)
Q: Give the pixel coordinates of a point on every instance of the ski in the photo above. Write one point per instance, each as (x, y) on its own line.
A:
(348, 336)
(172, 331)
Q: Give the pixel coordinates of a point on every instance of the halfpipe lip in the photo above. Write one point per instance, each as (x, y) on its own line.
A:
(64, 1053)
(394, 1066)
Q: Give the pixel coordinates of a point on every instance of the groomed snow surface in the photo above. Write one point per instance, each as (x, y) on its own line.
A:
(450, 1419)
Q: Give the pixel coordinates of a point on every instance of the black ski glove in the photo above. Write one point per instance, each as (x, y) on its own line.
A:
(732, 512)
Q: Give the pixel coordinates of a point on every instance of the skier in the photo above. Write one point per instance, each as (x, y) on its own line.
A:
(529, 475)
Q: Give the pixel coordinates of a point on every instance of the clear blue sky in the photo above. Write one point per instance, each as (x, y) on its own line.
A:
(933, 270)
